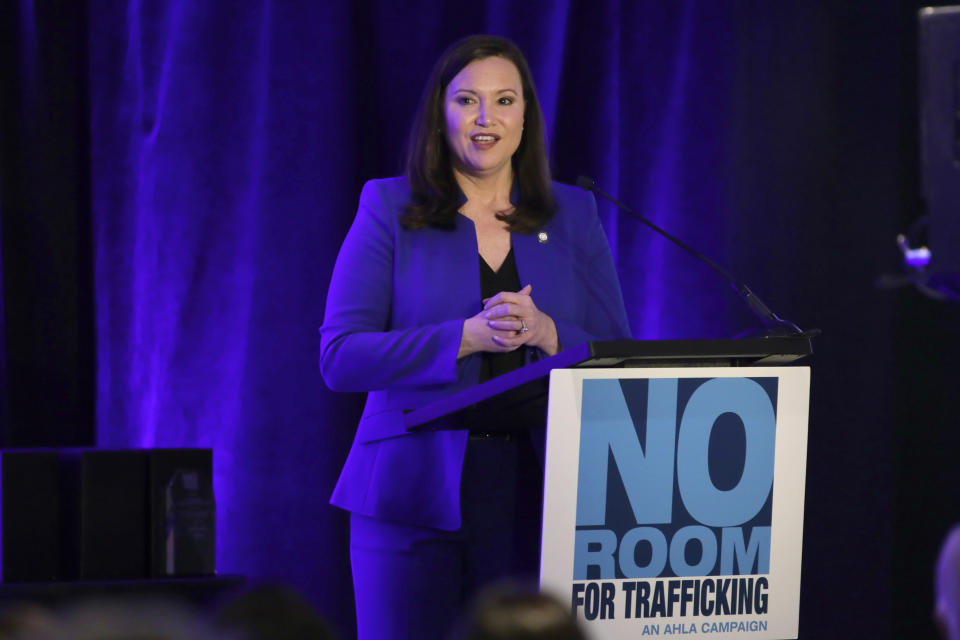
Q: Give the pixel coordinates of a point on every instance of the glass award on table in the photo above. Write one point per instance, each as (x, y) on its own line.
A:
(190, 523)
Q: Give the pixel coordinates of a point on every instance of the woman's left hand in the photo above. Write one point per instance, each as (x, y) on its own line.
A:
(509, 311)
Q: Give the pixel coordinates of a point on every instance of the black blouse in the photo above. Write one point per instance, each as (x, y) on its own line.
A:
(491, 283)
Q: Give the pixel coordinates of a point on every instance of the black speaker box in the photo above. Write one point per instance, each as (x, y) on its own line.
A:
(113, 514)
(30, 512)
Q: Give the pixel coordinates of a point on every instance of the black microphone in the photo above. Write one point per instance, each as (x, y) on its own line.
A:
(773, 325)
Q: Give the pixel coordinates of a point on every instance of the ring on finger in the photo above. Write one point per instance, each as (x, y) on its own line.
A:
(523, 326)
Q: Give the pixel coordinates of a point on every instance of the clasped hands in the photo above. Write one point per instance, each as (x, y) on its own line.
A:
(499, 327)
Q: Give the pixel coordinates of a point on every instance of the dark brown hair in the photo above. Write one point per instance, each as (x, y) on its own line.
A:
(511, 613)
(433, 189)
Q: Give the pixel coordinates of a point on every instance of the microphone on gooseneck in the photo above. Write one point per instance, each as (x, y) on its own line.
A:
(774, 325)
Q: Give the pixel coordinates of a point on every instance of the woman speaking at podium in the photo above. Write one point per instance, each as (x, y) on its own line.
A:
(471, 265)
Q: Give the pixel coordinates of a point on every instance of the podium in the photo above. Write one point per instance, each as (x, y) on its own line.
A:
(673, 483)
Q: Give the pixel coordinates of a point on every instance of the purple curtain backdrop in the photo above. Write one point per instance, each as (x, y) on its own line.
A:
(229, 143)
(223, 185)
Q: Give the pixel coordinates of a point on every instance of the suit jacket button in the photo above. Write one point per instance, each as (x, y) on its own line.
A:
(542, 237)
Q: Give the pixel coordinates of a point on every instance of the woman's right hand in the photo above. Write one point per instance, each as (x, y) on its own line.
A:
(478, 335)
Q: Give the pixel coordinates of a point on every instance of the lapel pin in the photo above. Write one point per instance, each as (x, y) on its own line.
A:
(543, 237)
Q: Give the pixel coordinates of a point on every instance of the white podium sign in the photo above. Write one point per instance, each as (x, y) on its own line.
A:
(673, 500)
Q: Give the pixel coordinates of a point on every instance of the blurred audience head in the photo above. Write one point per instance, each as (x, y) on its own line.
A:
(947, 608)
(509, 613)
(272, 612)
(128, 619)
(25, 620)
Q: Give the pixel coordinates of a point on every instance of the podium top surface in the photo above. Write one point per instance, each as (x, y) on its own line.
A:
(528, 386)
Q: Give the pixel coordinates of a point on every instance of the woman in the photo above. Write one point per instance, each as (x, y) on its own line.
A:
(471, 265)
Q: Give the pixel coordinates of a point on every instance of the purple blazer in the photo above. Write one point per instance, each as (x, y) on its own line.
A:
(393, 323)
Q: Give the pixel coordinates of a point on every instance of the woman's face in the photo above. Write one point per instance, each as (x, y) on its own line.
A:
(484, 111)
